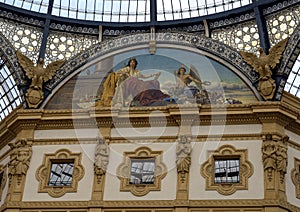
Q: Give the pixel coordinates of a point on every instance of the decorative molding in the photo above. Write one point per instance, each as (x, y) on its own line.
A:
(133, 205)
(43, 172)
(232, 20)
(3, 171)
(123, 171)
(19, 18)
(295, 175)
(245, 172)
(74, 28)
(279, 6)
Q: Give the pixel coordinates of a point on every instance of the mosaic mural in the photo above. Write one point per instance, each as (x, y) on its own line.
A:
(137, 78)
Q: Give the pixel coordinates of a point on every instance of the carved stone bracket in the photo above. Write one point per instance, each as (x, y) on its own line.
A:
(274, 155)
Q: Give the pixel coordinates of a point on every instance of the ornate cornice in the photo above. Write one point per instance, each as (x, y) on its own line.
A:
(256, 113)
(279, 6)
(166, 204)
(19, 18)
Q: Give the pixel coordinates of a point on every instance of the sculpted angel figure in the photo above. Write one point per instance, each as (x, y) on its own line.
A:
(38, 74)
(265, 62)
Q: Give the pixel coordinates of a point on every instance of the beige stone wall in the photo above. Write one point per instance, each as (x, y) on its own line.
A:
(84, 185)
(201, 153)
(168, 185)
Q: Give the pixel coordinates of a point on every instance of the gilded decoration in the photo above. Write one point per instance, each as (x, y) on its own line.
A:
(264, 66)
(245, 171)
(101, 158)
(183, 156)
(38, 74)
(124, 171)
(295, 174)
(3, 173)
(43, 172)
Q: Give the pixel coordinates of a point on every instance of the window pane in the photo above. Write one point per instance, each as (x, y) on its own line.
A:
(61, 174)
(142, 171)
(227, 170)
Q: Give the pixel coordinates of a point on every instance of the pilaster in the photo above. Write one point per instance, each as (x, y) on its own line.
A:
(100, 166)
(274, 151)
(18, 165)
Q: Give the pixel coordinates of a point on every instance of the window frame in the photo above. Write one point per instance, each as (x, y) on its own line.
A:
(124, 171)
(227, 152)
(43, 172)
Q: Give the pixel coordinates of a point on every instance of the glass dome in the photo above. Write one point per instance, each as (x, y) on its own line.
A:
(128, 10)
(293, 83)
(9, 94)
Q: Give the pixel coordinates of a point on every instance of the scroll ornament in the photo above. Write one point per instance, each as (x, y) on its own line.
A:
(38, 75)
(264, 65)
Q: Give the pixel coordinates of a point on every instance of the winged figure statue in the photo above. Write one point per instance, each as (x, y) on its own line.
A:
(38, 74)
(265, 62)
(263, 65)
